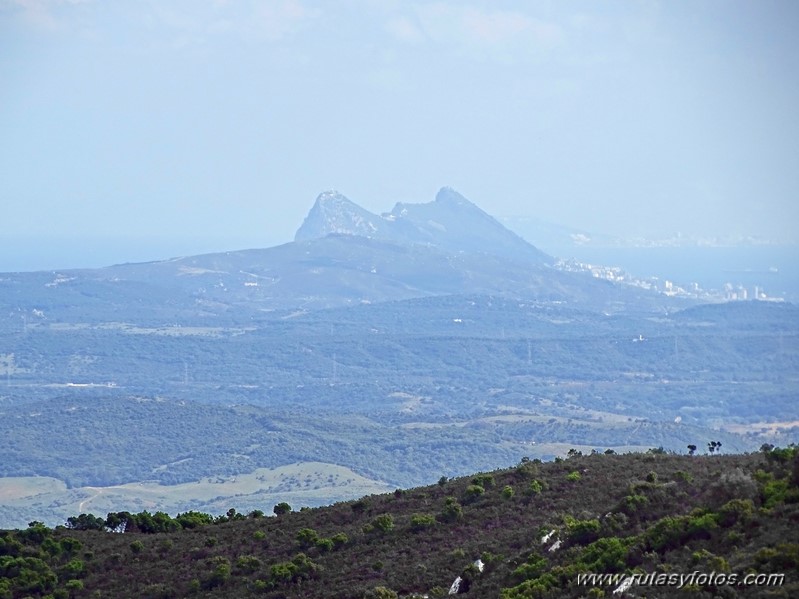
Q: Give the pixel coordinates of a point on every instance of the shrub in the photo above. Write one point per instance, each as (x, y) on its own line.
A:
(221, 572)
(573, 476)
(526, 468)
(535, 487)
(665, 534)
(473, 492)
(157, 591)
(380, 593)
(282, 572)
(307, 537)
(532, 568)
(49, 545)
(699, 526)
(70, 545)
(782, 558)
(734, 484)
(736, 510)
(422, 521)
(383, 522)
(137, 547)
(281, 508)
(507, 492)
(452, 510)
(248, 563)
(633, 503)
(671, 532)
(582, 531)
(74, 585)
(774, 492)
(608, 554)
(484, 480)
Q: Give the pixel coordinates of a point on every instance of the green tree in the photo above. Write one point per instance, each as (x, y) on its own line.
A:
(85, 522)
(282, 508)
(193, 519)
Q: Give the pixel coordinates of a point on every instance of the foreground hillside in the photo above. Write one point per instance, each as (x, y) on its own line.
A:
(526, 531)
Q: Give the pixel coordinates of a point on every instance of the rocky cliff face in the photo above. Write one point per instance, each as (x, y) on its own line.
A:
(332, 213)
(450, 222)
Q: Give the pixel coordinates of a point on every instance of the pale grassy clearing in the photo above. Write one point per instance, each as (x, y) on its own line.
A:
(8, 365)
(583, 417)
(195, 270)
(21, 488)
(765, 429)
(407, 401)
(300, 484)
(169, 331)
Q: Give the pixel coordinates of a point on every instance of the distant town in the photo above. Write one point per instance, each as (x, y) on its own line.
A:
(729, 291)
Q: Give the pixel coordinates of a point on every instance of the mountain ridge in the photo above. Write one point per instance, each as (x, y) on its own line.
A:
(450, 222)
(342, 255)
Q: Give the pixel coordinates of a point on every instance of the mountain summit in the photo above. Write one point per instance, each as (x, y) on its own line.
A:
(450, 222)
(333, 213)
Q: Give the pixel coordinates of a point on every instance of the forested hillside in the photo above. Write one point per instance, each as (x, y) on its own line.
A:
(528, 531)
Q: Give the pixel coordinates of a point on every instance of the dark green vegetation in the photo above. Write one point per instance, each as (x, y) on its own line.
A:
(453, 384)
(612, 514)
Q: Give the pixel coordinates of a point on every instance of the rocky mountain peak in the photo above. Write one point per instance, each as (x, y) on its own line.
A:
(447, 195)
(335, 213)
(450, 222)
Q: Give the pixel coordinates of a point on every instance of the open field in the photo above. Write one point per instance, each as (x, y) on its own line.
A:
(300, 484)
(764, 429)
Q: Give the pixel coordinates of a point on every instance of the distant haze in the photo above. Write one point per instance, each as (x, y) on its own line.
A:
(142, 130)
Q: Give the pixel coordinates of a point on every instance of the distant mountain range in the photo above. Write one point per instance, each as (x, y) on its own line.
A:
(342, 255)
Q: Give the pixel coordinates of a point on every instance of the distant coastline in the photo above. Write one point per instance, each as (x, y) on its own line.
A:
(772, 268)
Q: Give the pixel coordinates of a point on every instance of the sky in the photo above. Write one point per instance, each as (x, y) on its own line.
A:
(134, 130)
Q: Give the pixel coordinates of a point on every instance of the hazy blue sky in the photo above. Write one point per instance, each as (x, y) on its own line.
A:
(201, 125)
